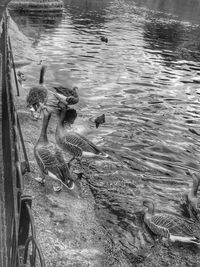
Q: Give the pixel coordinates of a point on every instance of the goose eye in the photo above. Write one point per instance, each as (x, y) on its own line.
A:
(32, 108)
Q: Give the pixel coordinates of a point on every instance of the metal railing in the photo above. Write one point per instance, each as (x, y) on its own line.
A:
(16, 217)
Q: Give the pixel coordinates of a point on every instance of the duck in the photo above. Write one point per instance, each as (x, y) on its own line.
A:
(37, 94)
(50, 158)
(99, 120)
(104, 39)
(73, 143)
(70, 96)
(169, 226)
(189, 201)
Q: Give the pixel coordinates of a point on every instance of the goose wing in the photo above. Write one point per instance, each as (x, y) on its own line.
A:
(164, 223)
(62, 166)
(86, 144)
(50, 160)
(69, 144)
(66, 91)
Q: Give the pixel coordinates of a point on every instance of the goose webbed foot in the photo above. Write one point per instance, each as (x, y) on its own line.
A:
(70, 161)
(79, 174)
(40, 180)
(70, 184)
(57, 188)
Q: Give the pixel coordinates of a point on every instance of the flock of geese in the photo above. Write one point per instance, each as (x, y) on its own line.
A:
(51, 163)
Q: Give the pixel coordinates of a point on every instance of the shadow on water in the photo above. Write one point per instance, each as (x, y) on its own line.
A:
(172, 40)
(87, 13)
(185, 10)
(34, 24)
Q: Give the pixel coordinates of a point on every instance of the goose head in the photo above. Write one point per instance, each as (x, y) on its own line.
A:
(195, 183)
(67, 115)
(149, 205)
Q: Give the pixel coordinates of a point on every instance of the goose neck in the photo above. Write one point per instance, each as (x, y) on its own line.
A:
(43, 134)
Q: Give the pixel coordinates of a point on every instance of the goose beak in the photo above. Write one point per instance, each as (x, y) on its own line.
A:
(34, 113)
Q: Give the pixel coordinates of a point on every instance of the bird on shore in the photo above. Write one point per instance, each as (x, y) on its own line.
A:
(50, 158)
(169, 226)
(21, 77)
(73, 143)
(100, 120)
(68, 95)
(189, 201)
(37, 94)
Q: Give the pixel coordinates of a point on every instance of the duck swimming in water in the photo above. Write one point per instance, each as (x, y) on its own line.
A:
(37, 94)
(104, 39)
(189, 201)
(73, 143)
(168, 226)
(50, 159)
(70, 95)
(100, 120)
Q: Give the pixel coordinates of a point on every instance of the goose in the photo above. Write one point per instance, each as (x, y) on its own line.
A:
(189, 201)
(50, 159)
(72, 142)
(169, 226)
(37, 94)
(70, 96)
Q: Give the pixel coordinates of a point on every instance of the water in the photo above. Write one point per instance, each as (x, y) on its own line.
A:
(146, 81)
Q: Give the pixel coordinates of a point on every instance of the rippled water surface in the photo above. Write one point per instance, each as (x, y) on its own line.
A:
(146, 80)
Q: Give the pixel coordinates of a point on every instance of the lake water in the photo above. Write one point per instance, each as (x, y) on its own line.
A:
(146, 80)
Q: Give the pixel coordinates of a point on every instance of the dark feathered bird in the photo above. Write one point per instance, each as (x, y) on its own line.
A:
(37, 94)
(71, 95)
(100, 120)
(104, 39)
(168, 226)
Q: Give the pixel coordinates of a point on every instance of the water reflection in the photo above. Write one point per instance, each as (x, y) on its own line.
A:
(173, 40)
(34, 24)
(186, 10)
(87, 13)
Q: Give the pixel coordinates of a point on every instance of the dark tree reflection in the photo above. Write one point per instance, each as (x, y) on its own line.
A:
(35, 23)
(87, 13)
(188, 10)
(175, 40)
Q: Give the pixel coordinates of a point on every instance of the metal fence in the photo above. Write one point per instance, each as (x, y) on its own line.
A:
(16, 220)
